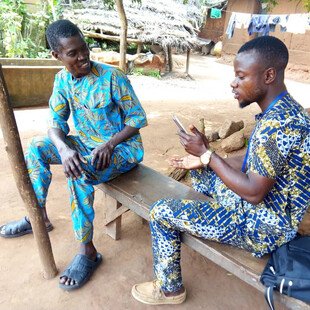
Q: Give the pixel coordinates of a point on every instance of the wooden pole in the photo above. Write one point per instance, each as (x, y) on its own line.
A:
(123, 36)
(170, 62)
(16, 158)
(139, 48)
(108, 37)
(187, 60)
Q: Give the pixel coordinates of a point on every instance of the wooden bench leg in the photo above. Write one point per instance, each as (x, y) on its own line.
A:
(114, 211)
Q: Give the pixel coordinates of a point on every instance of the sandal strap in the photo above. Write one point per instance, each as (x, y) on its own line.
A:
(15, 227)
(80, 268)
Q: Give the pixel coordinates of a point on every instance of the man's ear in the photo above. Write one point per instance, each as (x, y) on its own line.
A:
(56, 55)
(270, 75)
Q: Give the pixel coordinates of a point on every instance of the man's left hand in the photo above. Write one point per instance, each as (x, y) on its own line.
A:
(196, 144)
(188, 162)
(102, 155)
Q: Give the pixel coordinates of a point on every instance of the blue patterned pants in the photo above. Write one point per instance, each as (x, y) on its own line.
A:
(41, 153)
(226, 219)
(217, 220)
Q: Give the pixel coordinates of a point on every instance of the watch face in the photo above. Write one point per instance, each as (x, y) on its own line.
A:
(205, 157)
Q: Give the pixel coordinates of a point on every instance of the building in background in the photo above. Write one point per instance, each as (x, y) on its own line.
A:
(215, 29)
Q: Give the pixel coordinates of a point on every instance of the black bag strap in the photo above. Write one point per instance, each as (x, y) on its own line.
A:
(269, 297)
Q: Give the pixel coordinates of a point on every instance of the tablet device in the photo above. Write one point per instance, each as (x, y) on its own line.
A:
(179, 124)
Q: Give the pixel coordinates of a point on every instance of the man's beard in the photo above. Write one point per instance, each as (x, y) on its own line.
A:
(244, 104)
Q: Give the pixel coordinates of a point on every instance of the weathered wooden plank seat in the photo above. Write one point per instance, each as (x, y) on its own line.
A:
(138, 189)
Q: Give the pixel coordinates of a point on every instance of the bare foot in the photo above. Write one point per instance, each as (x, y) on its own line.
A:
(88, 250)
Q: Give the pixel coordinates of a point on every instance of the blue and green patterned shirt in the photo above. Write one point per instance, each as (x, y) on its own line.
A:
(101, 104)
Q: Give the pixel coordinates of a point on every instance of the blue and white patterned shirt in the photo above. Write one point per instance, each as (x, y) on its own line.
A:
(280, 150)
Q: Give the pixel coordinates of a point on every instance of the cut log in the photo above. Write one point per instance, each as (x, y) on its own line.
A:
(177, 173)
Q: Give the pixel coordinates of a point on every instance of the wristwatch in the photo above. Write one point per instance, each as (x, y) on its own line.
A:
(206, 157)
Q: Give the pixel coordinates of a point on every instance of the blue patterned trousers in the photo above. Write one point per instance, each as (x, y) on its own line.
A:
(41, 153)
(218, 220)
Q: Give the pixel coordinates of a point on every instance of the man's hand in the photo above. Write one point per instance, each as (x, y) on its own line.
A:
(71, 161)
(188, 162)
(196, 144)
(102, 155)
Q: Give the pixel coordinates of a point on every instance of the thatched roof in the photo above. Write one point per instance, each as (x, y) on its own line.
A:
(163, 22)
(215, 3)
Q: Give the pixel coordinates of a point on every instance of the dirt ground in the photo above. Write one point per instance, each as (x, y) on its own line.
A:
(207, 95)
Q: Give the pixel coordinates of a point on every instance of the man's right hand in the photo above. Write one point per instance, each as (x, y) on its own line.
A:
(71, 162)
(71, 159)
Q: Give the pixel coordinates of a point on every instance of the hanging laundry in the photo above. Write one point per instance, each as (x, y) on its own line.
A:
(242, 20)
(215, 13)
(231, 26)
(263, 23)
(308, 24)
(259, 24)
(297, 23)
(278, 20)
(237, 20)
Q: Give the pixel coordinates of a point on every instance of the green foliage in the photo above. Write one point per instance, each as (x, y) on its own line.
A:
(110, 46)
(132, 48)
(17, 6)
(148, 72)
(273, 3)
(307, 4)
(77, 5)
(90, 41)
(22, 34)
(110, 4)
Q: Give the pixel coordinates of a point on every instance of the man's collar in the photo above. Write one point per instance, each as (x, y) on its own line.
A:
(93, 71)
(94, 68)
(260, 115)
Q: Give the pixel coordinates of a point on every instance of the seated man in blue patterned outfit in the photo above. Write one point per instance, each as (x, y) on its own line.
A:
(258, 202)
(107, 117)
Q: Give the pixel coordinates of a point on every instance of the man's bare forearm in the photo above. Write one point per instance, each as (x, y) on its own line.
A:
(251, 187)
(123, 135)
(58, 138)
(235, 162)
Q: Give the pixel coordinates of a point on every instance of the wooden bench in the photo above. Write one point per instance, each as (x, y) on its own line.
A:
(138, 189)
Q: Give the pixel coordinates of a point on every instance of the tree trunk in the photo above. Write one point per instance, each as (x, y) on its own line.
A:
(16, 158)
(123, 42)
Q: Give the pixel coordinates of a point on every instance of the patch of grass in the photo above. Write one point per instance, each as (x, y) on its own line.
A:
(147, 72)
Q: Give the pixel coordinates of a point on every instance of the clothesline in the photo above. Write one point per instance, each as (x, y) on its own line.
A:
(217, 13)
(228, 11)
(308, 14)
(296, 23)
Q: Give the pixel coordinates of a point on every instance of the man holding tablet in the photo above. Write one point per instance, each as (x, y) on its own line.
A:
(259, 201)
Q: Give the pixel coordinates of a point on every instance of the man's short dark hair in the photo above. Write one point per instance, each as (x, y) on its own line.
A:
(62, 28)
(271, 50)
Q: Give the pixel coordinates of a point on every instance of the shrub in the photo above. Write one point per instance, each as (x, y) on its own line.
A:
(22, 34)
